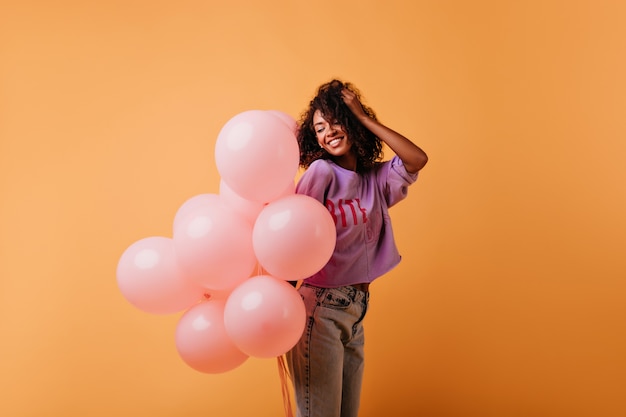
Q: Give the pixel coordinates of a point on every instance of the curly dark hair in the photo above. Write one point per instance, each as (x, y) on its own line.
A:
(367, 147)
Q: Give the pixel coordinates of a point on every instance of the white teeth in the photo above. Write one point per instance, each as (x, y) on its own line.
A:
(334, 142)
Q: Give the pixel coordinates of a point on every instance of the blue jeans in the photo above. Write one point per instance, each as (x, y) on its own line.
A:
(327, 363)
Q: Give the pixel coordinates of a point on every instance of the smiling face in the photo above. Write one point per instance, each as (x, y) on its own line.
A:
(334, 140)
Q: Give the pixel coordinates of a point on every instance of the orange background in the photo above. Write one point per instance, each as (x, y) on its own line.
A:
(510, 300)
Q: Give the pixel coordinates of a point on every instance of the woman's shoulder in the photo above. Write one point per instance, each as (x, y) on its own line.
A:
(316, 179)
(394, 170)
(395, 161)
(321, 163)
(319, 170)
(320, 167)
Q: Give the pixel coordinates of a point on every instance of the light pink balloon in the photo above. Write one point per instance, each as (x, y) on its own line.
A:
(257, 155)
(290, 190)
(286, 118)
(150, 279)
(216, 295)
(191, 204)
(214, 247)
(264, 316)
(294, 237)
(247, 208)
(202, 341)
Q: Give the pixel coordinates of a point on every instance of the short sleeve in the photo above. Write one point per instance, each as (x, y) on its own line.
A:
(395, 180)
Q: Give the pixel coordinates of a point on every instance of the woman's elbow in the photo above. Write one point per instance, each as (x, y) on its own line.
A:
(417, 163)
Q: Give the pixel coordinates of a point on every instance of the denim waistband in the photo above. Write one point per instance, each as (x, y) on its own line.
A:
(348, 290)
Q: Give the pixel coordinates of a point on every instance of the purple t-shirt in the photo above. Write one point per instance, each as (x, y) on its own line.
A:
(359, 204)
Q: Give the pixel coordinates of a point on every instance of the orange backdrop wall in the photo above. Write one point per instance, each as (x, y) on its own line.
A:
(510, 300)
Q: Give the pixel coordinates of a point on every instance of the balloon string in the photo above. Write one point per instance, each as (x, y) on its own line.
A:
(285, 382)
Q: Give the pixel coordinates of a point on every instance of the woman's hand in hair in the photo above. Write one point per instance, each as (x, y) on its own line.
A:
(353, 103)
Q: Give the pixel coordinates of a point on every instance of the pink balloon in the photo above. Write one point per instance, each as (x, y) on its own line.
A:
(290, 190)
(257, 155)
(264, 316)
(202, 341)
(214, 247)
(150, 279)
(247, 208)
(191, 204)
(216, 295)
(286, 118)
(294, 237)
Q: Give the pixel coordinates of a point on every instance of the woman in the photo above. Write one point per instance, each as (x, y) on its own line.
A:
(341, 144)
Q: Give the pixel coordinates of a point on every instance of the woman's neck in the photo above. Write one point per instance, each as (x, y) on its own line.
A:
(347, 161)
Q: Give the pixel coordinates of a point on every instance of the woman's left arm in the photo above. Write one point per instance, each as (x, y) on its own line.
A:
(412, 156)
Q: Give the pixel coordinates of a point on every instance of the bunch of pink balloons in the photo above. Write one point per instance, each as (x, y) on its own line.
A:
(231, 253)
